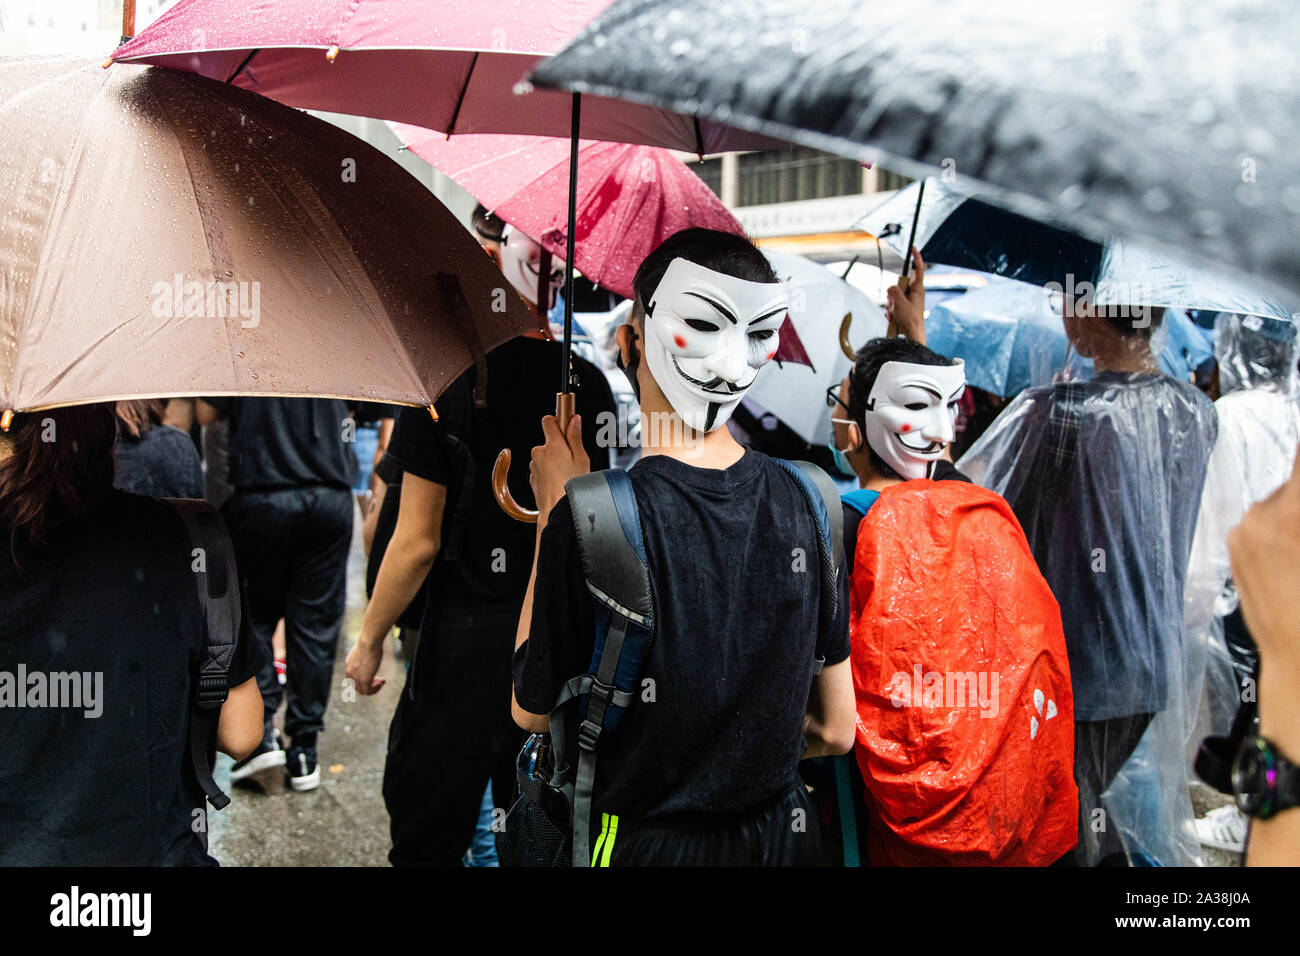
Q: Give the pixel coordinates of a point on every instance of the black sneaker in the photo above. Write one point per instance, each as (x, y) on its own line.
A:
(269, 753)
(300, 765)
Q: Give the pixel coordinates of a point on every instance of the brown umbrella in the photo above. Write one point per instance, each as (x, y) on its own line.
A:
(164, 234)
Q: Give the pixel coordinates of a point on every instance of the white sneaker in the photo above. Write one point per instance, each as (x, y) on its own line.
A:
(1223, 829)
(301, 769)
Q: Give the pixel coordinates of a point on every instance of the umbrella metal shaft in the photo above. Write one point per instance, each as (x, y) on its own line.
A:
(574, 125)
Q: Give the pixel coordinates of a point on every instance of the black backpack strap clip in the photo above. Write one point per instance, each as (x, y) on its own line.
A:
(217, 583)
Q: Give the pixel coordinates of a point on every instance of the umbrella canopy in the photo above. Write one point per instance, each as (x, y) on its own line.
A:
(1176, 123)
(1011, 337)
(959, 230)
(795, 391)
(448, 65)
(168, 235)
(630, 198)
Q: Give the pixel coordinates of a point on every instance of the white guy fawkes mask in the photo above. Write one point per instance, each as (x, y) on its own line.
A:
(707, 335)
(521, 258)
(911, 412)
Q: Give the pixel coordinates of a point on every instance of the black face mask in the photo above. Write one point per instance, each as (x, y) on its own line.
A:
(629, 369)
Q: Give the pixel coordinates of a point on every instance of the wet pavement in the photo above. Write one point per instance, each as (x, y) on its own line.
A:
(343, 822)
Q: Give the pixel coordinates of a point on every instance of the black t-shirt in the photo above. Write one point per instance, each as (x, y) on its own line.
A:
(288, 442)
(494, 553)
(735, 574)
(162, 463)
(117, 599)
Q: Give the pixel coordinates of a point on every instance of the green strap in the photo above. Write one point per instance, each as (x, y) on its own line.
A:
(609, 843)
(604, 849)
(600, 840)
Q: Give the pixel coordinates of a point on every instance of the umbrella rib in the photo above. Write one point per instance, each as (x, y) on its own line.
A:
(240, 69)
(52, 221)
(218, 253)
(460, 99)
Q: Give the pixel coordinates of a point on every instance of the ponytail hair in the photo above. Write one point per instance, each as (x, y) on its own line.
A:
(58, 463)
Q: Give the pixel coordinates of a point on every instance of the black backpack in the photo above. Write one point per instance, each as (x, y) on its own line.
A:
(217, 581)
(550, 823)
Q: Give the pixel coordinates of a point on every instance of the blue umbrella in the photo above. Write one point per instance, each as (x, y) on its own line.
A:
(960, 230)
(1011, 337)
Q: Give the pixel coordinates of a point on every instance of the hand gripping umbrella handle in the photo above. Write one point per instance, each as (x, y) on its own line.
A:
(563, 412)
(904, 284)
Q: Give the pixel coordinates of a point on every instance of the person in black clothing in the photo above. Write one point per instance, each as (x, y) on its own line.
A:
(707, 772)
(154, 459)
(452, 731)
(455, 559)
(291, 520)
(102, 620)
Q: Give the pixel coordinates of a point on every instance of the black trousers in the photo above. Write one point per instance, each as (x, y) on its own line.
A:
(1101, 748)
(451, 733)
(292, 547)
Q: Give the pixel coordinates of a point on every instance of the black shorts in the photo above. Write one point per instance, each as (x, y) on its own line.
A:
(782, 832)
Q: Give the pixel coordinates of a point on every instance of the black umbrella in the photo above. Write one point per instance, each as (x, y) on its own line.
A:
(1174, 122)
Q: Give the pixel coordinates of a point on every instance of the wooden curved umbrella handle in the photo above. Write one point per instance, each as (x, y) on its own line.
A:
(845, 347)
(501, 469)
(502, 491)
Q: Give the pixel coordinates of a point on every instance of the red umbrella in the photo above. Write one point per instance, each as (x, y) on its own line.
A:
(629, 198)
(449, 65)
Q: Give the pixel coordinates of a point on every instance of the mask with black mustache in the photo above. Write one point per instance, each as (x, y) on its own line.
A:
(707, 334)
(911, 413)
(522, 262)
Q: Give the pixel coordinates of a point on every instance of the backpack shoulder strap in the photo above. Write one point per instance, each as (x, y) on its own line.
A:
(860, 500)
(217, 583)
(607, 524)
(466, 473)
(823, 500)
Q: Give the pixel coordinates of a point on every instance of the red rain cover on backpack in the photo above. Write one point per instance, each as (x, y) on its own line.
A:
(965, 715)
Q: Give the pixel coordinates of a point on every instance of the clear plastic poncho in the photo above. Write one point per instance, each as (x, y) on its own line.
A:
(1259, 429)
(1106, 477)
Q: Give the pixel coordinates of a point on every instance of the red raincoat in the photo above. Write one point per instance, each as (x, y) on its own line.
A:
(965, 733)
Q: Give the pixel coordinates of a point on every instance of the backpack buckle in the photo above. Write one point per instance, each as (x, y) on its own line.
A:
(212, 691)
(588, 734)
(601, 692)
